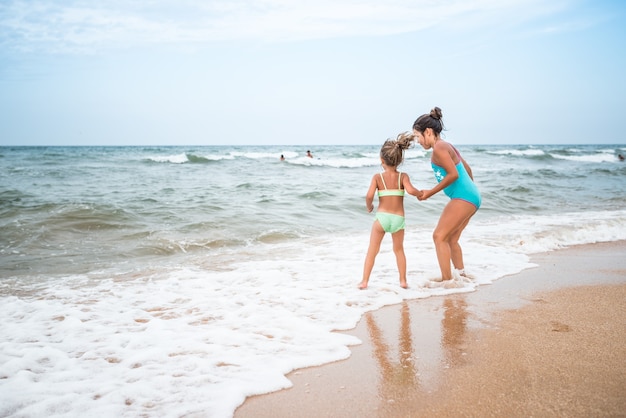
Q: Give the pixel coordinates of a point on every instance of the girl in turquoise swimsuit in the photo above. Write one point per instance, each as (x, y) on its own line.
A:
(390, 213)
(454, 177)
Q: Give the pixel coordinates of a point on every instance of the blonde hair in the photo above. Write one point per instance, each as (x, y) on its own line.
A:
(392, 151)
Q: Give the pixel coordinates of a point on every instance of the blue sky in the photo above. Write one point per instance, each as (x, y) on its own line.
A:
(220, 72)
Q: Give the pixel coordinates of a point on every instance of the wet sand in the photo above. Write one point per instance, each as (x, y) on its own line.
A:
(550, 341)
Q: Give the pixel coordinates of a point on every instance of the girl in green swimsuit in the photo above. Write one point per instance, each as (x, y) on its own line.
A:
(390, 213)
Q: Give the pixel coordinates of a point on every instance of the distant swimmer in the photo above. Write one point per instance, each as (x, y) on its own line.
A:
(308, 154)
(282, 157)
(621, 157)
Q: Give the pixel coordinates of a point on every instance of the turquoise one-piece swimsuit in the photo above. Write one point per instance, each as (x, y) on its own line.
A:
(463, 188)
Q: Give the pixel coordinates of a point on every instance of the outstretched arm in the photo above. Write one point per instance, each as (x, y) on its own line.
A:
(369, 197)
(441, 157)
(406, 183)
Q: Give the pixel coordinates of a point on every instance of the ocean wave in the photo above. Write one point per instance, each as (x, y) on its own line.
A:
(530, 152)
(610, 171)
(580, 154)
(11, 196)
(47, 226)
(88, 216)
(275, 236)
(346, 159)
(291, 158)
(588, 158)
(334, 162)
(185, 158)
(168, 247)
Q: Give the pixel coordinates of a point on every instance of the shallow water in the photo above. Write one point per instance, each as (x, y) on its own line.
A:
(165, 281)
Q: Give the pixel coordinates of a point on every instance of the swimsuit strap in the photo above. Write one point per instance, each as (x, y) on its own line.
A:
(458, 154)
(399, 180)
(383, 179)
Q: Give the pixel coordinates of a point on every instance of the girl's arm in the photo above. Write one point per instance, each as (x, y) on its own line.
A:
(369, 197)
(406, 182)
(441, 157)
(467, 168)
(465, 164)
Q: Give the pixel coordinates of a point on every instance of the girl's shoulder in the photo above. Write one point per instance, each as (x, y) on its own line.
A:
(442, 148)
(442, 145)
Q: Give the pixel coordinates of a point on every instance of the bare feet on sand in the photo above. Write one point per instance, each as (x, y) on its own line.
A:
(446, 284)
(403, 285)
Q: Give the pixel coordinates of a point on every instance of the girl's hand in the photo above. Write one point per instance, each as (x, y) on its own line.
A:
(423, 195)
(370, 208)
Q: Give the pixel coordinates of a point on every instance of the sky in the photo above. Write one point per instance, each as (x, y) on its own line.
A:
(294, 72)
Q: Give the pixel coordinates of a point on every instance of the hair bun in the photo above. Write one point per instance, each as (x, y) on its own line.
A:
(436, 113)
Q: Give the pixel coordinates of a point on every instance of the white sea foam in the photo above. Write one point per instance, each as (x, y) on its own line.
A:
(593, 158)
(336, 162)
(292, 157)
(518, 152)
(184, 157)
(174, 159)
(198, 339)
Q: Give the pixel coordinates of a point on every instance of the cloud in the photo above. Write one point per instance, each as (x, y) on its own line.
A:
(75, 26)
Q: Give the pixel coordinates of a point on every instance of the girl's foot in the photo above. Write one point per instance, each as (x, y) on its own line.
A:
(363, 285)
(465, 274)
(452, 284)
(403, 284)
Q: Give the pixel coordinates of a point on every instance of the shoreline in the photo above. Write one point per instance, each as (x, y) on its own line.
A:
(549, 340)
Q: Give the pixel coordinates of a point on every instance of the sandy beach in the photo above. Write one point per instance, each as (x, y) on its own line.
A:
(549, 341)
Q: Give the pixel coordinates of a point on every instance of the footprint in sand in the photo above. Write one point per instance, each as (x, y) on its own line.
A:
(560, 327)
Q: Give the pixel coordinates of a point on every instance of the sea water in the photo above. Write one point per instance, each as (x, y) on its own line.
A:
(177, 281)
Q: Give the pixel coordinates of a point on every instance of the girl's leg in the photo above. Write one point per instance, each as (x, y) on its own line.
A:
(398, 250)
(456, 253)
(376, 238)
(452, 221)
